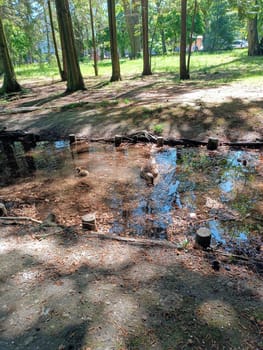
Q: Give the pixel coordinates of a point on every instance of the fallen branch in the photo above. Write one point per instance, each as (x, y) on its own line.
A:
(244, 144)
(136, 241)
(240, 257)
(14, 218)
(145, 136)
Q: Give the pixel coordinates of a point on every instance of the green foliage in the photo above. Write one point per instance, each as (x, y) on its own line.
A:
(223, 24)
(158, 129)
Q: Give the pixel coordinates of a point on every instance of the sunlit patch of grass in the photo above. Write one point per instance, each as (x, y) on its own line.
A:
(209, 68)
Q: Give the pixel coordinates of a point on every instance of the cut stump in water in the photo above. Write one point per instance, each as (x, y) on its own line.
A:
(160, 141)
(117, 140)
(72, 138)
(203, 237)
(89, 222)
(212, 144)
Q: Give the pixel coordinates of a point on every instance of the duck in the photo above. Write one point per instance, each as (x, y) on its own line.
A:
(81, 172)
(149, 171)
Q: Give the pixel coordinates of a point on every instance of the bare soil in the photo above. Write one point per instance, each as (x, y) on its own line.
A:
(64, 288)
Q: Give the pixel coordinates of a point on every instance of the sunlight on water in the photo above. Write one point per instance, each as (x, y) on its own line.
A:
(190, 181)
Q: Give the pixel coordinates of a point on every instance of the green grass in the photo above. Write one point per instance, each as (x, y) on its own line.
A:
(217, 67)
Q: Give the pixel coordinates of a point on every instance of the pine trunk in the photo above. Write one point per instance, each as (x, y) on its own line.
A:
(183, 69)
(116, 73)
(74, 78)
(61, 72)
(10, 83)
(145, 35)
(253, 44)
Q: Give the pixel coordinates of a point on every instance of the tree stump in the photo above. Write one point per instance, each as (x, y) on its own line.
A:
(117, 140)
(212, 144)
(3, 211)
(72, 138)
(89, 222)
(160, 141)
(203, 237)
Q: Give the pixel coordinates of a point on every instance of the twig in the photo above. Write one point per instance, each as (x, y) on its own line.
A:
(201, 221)
(135, 241)
(240, 257)
(11, 218)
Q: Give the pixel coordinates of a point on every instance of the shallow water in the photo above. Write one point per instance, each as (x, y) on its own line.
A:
(192, 183)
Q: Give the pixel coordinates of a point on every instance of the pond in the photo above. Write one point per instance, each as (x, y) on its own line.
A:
(220, 190)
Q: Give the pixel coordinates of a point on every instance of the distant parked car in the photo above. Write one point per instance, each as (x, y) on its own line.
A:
(239, 44)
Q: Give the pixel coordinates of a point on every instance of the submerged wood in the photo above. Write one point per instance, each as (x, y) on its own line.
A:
(145, 136)
(18, 135)
(117, 140)
(212, 144)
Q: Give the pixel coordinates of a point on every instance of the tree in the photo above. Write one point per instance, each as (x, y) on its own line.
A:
(222, 25)
(191, 36)
(10, 83)
(184, 74)
(93, 39)
(253, 42)
(250, 11)
(145, 39)
(74, 78)
(61, 72)
(115, 63)
(131, 10)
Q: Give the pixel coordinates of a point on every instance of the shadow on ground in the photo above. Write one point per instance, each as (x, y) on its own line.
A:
(111, 295)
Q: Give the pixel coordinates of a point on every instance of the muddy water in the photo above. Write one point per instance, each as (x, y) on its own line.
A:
(218, 190)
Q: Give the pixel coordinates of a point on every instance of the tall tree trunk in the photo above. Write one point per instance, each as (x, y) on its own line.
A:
(74, 78)
(131, 10)
(115, 63)
(183, 69)
(47, 34)
(10, 83)
(191, 38)
(61, 72)
(253, 44)
(164, 49)
(93, 40)
(145, 39)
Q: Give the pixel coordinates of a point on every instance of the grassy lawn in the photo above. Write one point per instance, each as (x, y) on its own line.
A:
(218, 67)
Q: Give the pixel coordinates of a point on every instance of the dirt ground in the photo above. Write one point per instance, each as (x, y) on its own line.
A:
(194, 109)
(63, 288)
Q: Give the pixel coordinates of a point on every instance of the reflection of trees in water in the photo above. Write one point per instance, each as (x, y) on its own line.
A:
(15, 162)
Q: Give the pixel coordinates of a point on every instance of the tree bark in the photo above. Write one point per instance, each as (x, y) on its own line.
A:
(253, 44)
(183, 69)
(10, 83)
(93, 40)
(191, 38)
(116, 73)
(61, 72)
(74, 78)
(145, 38)
(131, 10)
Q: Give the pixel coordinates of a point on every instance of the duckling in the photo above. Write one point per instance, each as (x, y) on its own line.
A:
(81, 172)
(149, 171)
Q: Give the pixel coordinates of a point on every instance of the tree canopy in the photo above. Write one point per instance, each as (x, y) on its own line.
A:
(30, 39)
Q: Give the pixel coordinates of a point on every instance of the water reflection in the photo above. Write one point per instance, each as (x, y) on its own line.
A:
(18, 161)
(186, 178)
